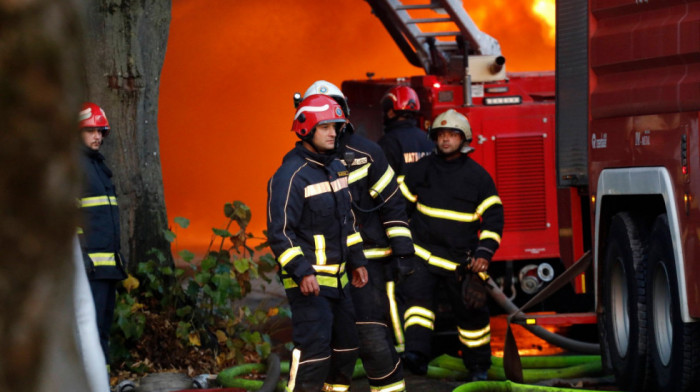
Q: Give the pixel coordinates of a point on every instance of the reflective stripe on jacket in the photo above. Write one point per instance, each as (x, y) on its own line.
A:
(310, 225)
(454, 209)
(377, 201)
(99, 230)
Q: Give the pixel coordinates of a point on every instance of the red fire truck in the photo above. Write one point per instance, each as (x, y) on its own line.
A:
(619, 174)
(513, 122)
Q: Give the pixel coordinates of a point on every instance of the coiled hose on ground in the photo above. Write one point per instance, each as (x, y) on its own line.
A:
(534, 368)
(443, 367)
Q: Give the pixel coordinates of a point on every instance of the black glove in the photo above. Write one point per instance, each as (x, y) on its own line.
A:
(474, 292)
(403, 267)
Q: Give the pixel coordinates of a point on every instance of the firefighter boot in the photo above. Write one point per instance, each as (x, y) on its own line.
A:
(378, 355)
(478, 373)
(417, 363)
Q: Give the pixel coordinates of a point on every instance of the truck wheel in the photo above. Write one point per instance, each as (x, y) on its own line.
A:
(674, 346)
(622, 324)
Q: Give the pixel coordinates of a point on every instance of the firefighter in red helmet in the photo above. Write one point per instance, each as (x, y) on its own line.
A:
(456, 219)
(380, 211)
(403, 142)
(312, 233)
(99, 233)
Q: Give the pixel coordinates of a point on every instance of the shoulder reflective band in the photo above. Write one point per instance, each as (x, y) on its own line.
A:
(382, 183)
(328, 281)
(103, 259)
(407, 193)
(289, 254)
(488, 202)
(377, 253)
(490, 234)
(447, 214)
(434, 260)
(355, 238)
(320, 242)
(398, 231)
(98, 201)
(358, 174)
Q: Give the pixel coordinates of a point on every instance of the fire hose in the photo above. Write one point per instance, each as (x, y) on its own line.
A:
(442, 367)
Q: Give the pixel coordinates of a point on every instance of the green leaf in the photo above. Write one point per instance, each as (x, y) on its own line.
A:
(241, 265)
(186, 255)
(182, 222)
(202, 278)
(208, 263)
(184, 311)
(169, 235)
(228, 210)
(241, 213)
(167, 271)
(221, 232)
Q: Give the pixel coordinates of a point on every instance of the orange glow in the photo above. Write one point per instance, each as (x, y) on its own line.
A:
(231, 68)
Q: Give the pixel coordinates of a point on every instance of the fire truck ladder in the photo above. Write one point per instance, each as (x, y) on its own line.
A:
(418, 39)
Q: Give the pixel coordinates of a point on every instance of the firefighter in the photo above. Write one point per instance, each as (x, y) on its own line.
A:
(403, 142)
(99, 233)
(380, 209)
(456, 218)
(312, 232)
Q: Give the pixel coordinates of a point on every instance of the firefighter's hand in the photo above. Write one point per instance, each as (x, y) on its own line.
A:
(479, 265)
(309, 285)
(359, 277)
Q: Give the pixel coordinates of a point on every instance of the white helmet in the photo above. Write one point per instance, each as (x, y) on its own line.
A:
(451, 119)
(330, 89)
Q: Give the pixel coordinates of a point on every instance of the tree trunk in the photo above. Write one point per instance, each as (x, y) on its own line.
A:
(40, 90)
(125, 49)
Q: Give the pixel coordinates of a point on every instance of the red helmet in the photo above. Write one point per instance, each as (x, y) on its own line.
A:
(92, 116)
(401, 99)
(314, 110)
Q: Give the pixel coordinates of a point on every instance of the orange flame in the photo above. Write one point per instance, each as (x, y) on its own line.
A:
(231, 68)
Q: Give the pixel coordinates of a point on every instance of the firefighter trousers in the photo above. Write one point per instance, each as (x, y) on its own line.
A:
(372, 306)
(326, 343)
(104, 293)
(473, 327)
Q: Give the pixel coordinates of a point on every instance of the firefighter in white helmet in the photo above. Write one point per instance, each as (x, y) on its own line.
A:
(380, 210)
(312, 232)
(456, 218)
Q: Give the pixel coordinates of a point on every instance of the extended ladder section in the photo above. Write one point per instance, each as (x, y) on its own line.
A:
(433, 34)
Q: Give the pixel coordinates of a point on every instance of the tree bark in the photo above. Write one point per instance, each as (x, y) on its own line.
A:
(40, 90)
(125, 50)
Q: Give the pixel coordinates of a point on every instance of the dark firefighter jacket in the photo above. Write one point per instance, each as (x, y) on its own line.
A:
(454, 209)
(99, 231)
(404, 144)
(377, 201)
(310, 225)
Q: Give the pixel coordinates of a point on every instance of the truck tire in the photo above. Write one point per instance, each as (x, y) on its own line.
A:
(622, 324)
(674, 346)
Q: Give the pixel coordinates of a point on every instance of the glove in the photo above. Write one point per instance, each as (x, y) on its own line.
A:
(403, 267)
(473, 291)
